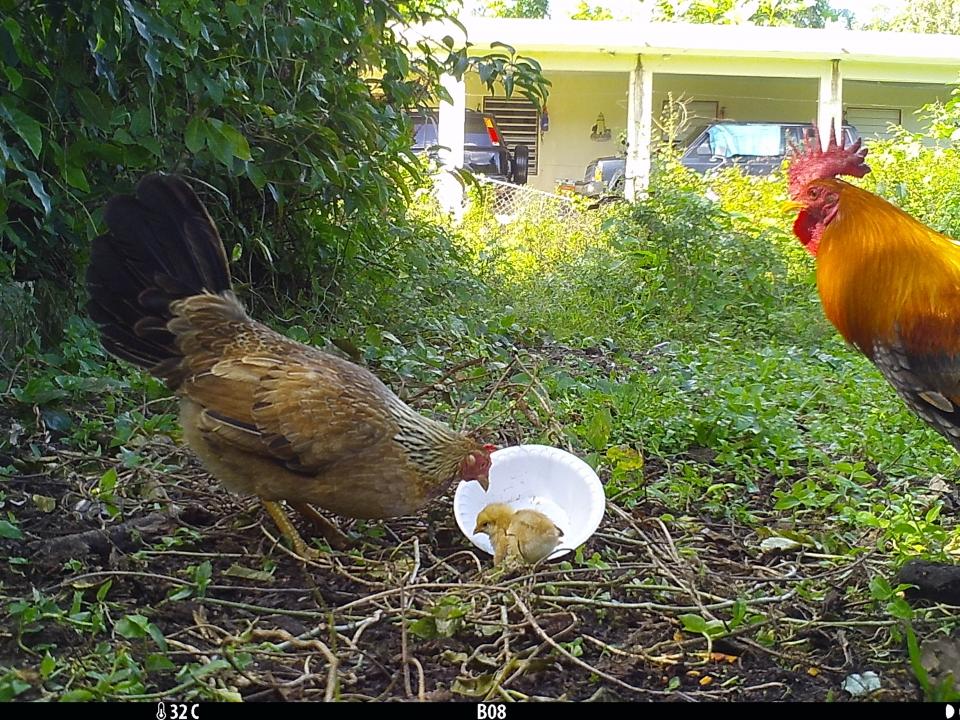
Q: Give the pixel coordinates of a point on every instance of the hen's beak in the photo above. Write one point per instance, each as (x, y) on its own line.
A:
(484, 483)
(791, 206)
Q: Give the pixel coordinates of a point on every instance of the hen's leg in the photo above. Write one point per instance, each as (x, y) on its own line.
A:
(332, 534)
(288, 530)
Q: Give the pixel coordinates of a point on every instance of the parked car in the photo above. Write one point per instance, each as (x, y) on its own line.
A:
(604, 176)
(758, 148)
(485, 152)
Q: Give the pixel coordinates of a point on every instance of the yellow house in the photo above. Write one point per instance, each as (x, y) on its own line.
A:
(611, 79)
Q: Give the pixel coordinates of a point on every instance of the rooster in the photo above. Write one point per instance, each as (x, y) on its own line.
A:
(887, 282)
(266, 415)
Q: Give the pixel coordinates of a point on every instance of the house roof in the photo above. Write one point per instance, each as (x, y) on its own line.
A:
(616, 37)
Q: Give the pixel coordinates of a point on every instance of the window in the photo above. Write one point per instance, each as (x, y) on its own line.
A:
(519, 122)
(872, 121)
(754, 139)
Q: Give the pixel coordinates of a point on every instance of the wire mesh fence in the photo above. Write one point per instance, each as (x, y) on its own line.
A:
(508, 203)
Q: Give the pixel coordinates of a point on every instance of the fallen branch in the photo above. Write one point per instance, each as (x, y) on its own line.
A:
(125, 536)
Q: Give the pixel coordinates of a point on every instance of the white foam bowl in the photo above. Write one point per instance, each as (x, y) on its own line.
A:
(537, 477)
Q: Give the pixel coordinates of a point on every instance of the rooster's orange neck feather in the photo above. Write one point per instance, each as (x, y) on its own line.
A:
(881, 273)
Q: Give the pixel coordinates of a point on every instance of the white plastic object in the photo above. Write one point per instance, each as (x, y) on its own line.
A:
(560, 485)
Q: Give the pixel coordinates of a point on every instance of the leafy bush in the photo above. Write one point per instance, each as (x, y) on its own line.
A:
(691, 253)
(290, 114)
(921, 179)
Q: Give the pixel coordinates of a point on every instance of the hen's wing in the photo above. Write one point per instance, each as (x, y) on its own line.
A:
(269, 395)
(927, 380)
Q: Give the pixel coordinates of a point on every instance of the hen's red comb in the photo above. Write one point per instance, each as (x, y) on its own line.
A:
(810, 162)
(490, 448)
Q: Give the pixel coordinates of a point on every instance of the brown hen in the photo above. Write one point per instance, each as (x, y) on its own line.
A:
(267, 416)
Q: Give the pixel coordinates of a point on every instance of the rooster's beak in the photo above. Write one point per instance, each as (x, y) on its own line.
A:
(791, 206)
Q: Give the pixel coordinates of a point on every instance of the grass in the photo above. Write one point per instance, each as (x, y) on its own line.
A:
(764, 484)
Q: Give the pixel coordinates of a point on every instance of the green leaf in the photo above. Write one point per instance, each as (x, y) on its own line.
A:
(132, 626)
(219, 145)
(154, 632)
(79, 695)
(37, 186)
(214, 89)
(23, 125)
(693, 623)
(140, 123)
(153, 62)
(182, 594)
(47, 666)
(599, 428)
(298, 333)
(424, 628)
(156, 663)
(256, 176)
(900, 608)
(10, 531)
(202, 574)
(625, 458)
(108, 481)
(44, 503)
(15, 78)
(195, 135)
(487, 73)
(75, 177)
(12, 27)
(238, 143)
(508, 85)
(880, 588)
(92, 109)
(153, 146)
(197, 671)
(56, 420)
(38, 391)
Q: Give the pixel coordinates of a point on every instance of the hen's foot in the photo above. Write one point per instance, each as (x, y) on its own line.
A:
(289, 531)
(331, 533)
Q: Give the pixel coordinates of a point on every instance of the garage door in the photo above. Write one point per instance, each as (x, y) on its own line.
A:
(873, 121)
(519, 121)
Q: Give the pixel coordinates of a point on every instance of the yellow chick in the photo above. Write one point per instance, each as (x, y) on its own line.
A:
(521, 536)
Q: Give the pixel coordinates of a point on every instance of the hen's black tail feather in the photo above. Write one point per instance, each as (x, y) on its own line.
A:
(161, 245)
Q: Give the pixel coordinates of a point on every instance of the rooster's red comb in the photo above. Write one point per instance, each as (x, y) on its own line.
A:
(811, 162)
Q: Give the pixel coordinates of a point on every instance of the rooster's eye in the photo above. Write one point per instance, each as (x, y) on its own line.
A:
(814, 192)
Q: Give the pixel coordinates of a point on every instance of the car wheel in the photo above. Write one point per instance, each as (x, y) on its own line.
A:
(521, 164)
(617, 185)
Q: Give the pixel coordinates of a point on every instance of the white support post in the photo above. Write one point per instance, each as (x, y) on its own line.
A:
(639, 126)
(830, 104)
(450, 137)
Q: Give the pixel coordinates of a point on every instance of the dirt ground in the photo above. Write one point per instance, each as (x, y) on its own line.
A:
(413, 611)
